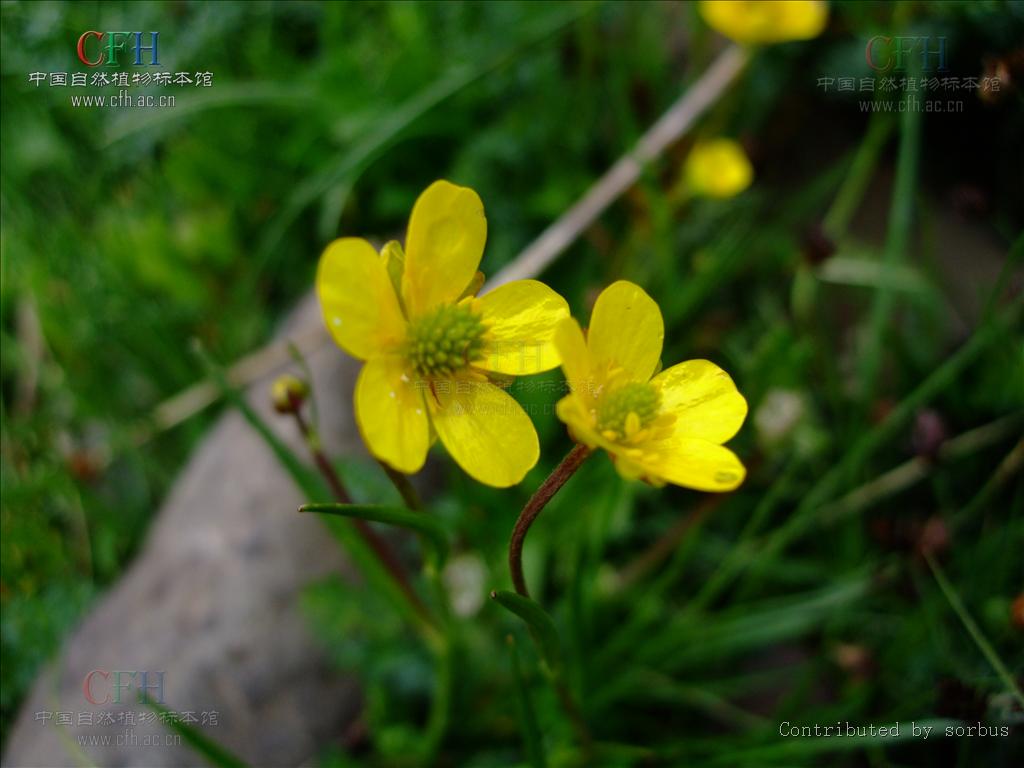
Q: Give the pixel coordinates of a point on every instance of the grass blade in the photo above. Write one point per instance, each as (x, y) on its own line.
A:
(896, 243)
(973, 630)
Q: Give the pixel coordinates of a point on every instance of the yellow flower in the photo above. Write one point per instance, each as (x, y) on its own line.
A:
(429, 342)
(717, 168)
(664, 428)
(766, 21)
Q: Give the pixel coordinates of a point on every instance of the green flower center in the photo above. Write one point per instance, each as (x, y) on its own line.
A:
(445, 340)
(615, 408)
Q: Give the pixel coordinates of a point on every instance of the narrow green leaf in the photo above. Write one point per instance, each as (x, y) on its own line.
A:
(862, 170)
(540, 624)
(427, 527)
(901, 212)
(527, 716)
(439, 719)
(213, 752)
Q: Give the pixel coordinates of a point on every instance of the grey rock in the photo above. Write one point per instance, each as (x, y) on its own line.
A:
(212, 602)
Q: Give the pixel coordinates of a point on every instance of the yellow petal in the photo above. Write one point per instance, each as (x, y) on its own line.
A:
(394, 262)
(802, 19)
(573, 412)
(443, 247)
(626, 330)
(766, 21)
(391, 414)
(572, 349)
(691, 463)
(703, 399)
(358, 303)
(474, 285)
(521, 318)
(486, 431)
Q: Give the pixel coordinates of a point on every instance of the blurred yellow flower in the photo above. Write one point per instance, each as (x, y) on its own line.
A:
(766, 21)
(664, 428)
(429, 342)
(717, 168)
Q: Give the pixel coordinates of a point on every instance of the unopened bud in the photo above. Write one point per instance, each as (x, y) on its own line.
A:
(1001, 78)
(854, 659)
(932, 538)
(817, 246)
(288, 393)
(928, 435)
(1017, 611)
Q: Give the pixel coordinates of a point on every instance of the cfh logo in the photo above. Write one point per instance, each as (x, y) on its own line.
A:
(103, 686)
(99, 48)
(885, 53)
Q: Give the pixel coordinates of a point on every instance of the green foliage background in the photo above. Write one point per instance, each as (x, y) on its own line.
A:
(125, 235)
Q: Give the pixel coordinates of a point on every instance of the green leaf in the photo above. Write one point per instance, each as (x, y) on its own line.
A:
(427, 527)
(527, 715)
(540, 624)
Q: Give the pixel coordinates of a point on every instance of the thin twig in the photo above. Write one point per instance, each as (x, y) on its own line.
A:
(670, 128)
(533, 508)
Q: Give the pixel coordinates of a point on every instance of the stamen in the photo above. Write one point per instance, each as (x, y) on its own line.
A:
(627, 410)
(444, 341)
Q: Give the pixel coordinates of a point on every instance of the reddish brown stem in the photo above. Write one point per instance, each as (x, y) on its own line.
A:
(533, 508)
(380, 547)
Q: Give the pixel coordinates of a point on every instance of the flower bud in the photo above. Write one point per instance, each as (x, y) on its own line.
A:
(288, 393)
(932, 538)
(928, 434)
(1017, 611)
(855, 660)
(816, 245)
(718, 168)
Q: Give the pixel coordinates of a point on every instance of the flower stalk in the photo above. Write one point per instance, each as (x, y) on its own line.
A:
(447, 641)
(561, 474)
(380, 547)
